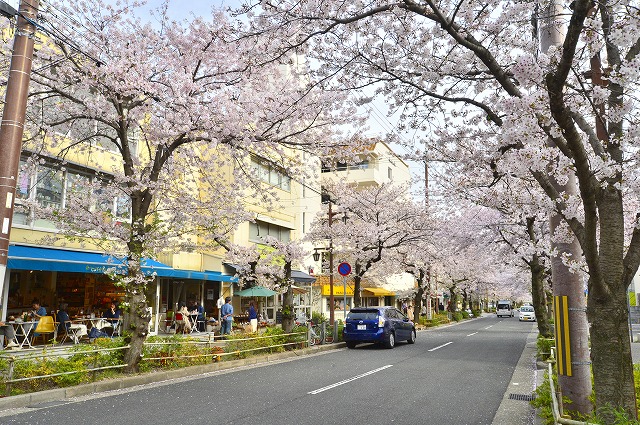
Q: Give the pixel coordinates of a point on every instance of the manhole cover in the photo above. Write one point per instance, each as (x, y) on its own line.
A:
(522, 397)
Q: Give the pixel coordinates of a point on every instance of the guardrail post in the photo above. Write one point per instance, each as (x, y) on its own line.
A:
(8, 389)
(324, 332)
(95, 365)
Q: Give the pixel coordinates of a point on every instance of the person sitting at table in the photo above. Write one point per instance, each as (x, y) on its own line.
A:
(64, 322)
(62, 316)
(112, 316)
(9, 334)
(36, 313)
(182, 319)
(194, 308)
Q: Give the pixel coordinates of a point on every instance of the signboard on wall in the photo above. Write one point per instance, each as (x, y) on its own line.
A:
(337, 290)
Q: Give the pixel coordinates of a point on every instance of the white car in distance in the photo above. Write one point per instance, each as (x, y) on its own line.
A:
(527, 314)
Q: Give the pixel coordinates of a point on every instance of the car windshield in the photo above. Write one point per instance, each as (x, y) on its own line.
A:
(363, 315)
(503, 306)
(527, 309)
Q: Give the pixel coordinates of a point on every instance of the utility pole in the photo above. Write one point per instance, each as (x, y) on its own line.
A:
(331, 300)
(12, 127)
(576, 385)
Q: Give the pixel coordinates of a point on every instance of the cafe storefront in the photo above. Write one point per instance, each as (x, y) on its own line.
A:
(55, 275)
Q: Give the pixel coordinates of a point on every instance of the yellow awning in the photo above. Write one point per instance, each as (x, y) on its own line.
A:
(377, 292)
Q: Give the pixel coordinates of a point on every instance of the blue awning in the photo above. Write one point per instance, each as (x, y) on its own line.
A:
(62, 260)
(206, 275)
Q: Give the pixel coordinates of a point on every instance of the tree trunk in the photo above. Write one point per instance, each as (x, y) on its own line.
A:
(538, 273)
(609, 315)
(357, 280)
(465, 299)
(417, 302)
(610, 340)
(138, 318)
(453, 300)
(288, 317)
(288, 314)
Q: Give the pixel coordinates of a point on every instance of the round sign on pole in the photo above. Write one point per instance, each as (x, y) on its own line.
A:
(344, 269)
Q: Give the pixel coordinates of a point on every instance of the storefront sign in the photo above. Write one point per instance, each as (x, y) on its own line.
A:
(337, 290)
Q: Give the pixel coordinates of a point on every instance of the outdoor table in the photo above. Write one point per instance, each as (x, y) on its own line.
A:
(74, 330)
(23, 329)
(105, 322)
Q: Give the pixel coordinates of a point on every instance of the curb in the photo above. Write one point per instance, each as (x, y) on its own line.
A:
(58, 394)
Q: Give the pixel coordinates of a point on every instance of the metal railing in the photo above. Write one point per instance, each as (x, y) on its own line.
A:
(210, 342)
(556, 397)
(47, 355)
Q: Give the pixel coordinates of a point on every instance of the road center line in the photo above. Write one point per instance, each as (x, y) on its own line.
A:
(488, 327)
(440, 346)
(472, 334)
(337, 384)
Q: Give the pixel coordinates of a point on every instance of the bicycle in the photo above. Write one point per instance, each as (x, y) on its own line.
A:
(315, 334)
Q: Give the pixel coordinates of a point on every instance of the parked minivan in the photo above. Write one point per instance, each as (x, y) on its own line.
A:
(384, 325)
(504, 308)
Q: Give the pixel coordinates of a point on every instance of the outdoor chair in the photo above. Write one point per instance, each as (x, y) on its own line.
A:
(46, 325)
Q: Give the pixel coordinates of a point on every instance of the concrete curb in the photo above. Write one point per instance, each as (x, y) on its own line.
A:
(58, 394)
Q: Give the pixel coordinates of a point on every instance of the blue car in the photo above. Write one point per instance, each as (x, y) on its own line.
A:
(384, 325)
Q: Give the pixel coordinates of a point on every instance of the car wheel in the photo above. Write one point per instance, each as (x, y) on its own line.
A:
(351, 344)
(412, 339)
(391, 341)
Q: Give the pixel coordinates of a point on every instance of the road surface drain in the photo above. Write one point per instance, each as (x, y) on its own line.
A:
(522, 397)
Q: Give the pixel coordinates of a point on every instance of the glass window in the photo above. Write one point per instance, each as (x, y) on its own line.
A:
(49, 187)
(363, 315)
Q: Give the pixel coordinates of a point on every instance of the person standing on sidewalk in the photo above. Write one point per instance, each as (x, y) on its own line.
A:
(227, 317)
(253, 317)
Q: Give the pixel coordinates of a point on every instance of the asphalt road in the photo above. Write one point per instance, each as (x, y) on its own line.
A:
(452, 375)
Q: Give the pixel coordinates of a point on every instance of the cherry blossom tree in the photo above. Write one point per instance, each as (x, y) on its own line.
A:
(470, 71)
(381, 221)
(170, 113)
(269, 264)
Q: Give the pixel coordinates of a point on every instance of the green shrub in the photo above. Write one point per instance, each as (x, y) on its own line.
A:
(457, 316)
(317, 317)
(542, 401)
(240, 344)
(543, 346)
(465, 314)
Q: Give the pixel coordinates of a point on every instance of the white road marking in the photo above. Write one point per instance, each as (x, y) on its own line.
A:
(488, 327)
(440, 346)
(337, 384)
(472, 334)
